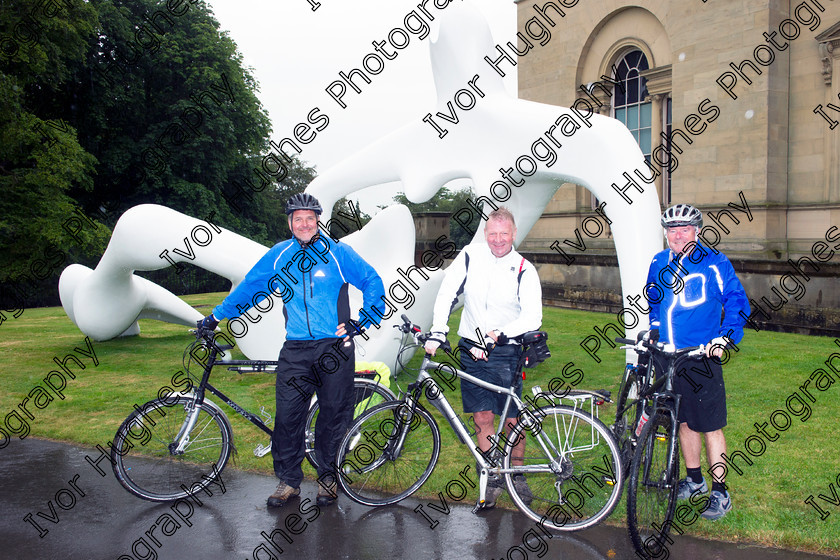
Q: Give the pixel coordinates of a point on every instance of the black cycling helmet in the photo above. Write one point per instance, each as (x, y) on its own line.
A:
(682, 215)
(303, 201)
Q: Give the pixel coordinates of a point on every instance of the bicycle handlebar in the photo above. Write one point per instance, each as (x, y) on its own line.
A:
(352, 329)
(643, 346)
(415, 331)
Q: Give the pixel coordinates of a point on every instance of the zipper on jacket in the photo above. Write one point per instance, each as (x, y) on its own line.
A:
(305, 305)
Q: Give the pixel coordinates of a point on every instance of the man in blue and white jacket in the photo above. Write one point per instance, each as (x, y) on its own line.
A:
(688, 286)
(316, 356)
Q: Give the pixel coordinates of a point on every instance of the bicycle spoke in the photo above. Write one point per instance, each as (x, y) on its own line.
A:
(651, 498)
(367, 393)
(387, 455)
(572, 467)
(148, 468)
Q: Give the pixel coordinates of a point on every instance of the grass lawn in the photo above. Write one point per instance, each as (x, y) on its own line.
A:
(768, 497)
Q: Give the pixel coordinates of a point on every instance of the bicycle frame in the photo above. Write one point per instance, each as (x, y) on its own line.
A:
(662, 397)
(204, 385)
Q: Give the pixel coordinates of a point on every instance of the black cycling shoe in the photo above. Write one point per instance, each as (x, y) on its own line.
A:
(327, 493)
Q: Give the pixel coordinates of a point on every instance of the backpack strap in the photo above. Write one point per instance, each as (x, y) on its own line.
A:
(519, 276)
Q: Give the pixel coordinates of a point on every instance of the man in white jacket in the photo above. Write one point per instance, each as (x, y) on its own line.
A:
(502, 300)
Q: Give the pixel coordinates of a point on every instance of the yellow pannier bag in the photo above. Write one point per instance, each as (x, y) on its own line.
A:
(375, 371)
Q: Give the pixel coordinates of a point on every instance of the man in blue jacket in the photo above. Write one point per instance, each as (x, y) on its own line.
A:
(688, 287)
(316, 356)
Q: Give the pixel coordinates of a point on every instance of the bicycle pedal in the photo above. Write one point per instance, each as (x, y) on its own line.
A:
(262, 450)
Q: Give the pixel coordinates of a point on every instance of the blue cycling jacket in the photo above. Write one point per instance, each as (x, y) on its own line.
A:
(686, 297)
(314, 283)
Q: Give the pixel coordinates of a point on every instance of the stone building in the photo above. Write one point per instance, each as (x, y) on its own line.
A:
(730, 101)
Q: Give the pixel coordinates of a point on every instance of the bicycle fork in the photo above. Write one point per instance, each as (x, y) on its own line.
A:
(182, 440)
(663, 479)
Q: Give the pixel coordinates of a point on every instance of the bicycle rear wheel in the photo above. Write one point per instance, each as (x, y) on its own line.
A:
(367, 393)
(144, 457)
(625, 420)
(388, 453)
(572, 465)
(652, 496)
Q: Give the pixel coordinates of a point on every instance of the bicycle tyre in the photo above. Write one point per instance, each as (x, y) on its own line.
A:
(367, 393)
(141, 456)
(573, 490)
(652, 495)
(625, 424)
(372, 472)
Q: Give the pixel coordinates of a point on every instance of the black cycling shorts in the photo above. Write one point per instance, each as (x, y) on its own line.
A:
(700, 383)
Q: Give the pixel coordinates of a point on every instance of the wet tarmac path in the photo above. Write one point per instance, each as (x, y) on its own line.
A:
(56, 505)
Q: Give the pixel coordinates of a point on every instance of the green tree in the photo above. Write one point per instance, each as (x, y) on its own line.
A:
(346, 218)
(171, 113)
(113, 103)
(41, 160)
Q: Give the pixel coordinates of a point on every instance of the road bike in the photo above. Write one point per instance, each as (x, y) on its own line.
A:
(571, 459)
(176, 445)
(654, 470)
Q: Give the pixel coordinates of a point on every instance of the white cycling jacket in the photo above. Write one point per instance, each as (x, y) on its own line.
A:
(501, 294)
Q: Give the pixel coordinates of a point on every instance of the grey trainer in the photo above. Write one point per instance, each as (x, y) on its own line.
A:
(522, 488)
(687, 487)
(719, 505)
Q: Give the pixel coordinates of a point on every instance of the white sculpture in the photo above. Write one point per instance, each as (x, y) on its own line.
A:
(596, 151)
(107, 302)
(495, 131)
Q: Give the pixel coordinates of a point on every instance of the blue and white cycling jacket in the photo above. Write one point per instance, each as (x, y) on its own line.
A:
(317, 278)
(686, 298)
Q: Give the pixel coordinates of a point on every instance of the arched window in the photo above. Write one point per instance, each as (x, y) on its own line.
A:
(628, 103)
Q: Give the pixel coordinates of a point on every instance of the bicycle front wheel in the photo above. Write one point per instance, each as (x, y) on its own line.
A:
(388, 453)
(367, 393)
(572, 465)
(144, 455)
(652, 496)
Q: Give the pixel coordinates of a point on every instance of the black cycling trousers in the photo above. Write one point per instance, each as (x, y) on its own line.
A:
(325, 367)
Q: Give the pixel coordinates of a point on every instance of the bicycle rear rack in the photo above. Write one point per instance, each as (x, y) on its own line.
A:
(576, 399)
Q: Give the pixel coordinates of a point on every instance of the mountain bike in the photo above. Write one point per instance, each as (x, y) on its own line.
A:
(174, 446)
(571, 459)
(654, 471)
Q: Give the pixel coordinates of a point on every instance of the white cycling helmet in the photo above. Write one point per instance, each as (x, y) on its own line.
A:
(682, 215)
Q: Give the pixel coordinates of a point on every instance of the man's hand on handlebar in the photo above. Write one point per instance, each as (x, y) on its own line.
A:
(716, 346)
(433, 342)
(209, 323)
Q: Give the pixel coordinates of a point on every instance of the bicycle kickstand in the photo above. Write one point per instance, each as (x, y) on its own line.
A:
(483, 478)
